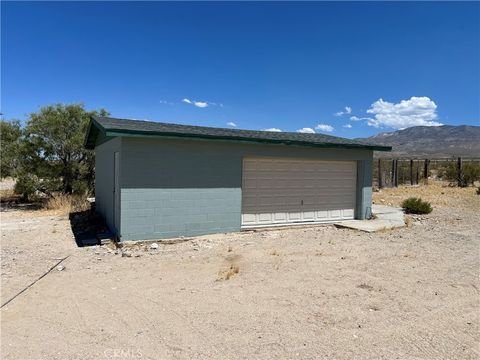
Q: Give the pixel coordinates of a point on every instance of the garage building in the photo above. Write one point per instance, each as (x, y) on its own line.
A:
(157, 180)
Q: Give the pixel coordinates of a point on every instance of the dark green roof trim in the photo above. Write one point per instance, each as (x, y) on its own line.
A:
(110, 127)
(95, 133)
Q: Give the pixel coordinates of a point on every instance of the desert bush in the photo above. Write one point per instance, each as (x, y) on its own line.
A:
(469, 174)
(415, 205)
(66, 204)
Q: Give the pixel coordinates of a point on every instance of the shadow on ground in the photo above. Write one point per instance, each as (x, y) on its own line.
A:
(88, 228)
(17, 205)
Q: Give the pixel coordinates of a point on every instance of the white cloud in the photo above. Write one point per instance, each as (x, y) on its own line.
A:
(306, 131)
(232, 124)
(273, 129)
(356, 118)
(200, 104)
(417, 111)
(348, 126)
(324, 127)
(346, 111)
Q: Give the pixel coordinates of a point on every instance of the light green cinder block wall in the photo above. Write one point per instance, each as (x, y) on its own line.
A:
(176, 187)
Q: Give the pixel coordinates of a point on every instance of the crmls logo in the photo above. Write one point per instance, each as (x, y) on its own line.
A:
(123, 353)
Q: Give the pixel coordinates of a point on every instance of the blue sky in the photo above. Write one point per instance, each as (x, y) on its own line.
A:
(347, 69)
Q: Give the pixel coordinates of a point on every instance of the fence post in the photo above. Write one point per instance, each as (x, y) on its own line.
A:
(396, 173)
(380, 185)
(459, 172)
(411, 171)
(425, 171)
(393, 173)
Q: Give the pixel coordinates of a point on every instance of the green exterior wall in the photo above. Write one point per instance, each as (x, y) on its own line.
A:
(364, 189)
(182, 187)
(104, 168)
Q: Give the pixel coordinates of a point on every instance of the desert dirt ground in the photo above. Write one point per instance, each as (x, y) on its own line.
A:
(298, 293)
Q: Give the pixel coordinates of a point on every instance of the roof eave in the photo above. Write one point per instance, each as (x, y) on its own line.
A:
(94, 128)
(139, 133)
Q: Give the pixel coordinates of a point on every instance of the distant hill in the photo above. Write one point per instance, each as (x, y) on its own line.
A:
(430, 141)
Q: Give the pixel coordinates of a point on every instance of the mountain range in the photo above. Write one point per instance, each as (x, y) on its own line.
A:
(430, 141)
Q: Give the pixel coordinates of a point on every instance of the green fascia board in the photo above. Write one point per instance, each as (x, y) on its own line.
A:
(91, 139)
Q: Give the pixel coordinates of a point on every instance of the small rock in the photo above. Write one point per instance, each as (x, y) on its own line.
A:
(60, 267)
(154, 246)
(138, 255)
(126, 254)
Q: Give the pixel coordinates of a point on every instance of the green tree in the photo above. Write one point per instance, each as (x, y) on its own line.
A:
(53, 158)
(10, 133)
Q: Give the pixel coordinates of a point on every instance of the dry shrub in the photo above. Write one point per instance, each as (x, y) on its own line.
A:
(66, 204)
(8, 195)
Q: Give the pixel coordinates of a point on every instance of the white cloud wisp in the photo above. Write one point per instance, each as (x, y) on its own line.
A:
(199, 104)
(346, 111)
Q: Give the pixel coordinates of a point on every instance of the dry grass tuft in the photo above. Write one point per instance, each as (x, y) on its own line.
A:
(66, 204)
(8, 195)
(408, 221)
(234, 269)
(231, 267)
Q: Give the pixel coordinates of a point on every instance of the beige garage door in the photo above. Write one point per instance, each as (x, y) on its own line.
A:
(285, 190)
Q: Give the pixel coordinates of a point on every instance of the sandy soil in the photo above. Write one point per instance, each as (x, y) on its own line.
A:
(300, 293)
